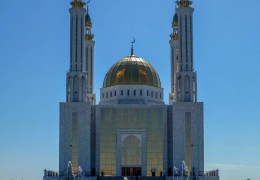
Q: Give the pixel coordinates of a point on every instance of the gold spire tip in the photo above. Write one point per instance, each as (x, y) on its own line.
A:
(78, 4)
(184, 3)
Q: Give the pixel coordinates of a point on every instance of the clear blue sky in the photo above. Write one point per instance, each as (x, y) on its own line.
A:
(34, 57)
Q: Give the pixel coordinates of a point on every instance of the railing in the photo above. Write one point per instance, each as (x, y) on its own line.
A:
(195, 173)
(212, 173)
(50, 173)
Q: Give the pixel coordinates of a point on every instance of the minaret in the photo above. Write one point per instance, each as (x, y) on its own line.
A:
(183, 76)
(89, 50)
(75, 114)
(187, 114)
(78, 83)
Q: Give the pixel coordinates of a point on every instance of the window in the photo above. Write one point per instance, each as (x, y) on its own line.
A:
(107, 95)
(103, 95)
(141, 92)
(122, 92)
(134, 92)
(115, 93)
(156, 95)
(152, 94)
(147, 93)
(128, 92)
(111, 94)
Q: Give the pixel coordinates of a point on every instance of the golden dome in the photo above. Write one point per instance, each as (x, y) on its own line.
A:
(132, 70)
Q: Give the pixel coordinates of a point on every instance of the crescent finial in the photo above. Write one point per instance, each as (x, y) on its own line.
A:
(132, 48)
(133, 40)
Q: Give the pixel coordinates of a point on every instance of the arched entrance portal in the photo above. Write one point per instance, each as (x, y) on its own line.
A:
(131, 156)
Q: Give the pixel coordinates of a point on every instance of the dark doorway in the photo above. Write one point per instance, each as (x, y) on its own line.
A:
(131, 171)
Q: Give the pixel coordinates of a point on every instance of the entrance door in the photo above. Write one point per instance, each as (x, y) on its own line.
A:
(131, 171)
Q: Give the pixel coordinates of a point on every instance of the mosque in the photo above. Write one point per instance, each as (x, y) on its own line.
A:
(131, 132)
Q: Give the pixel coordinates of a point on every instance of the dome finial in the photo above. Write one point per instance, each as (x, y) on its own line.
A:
(87, 5)
(88, 25)
(132, 47)
(88, 22)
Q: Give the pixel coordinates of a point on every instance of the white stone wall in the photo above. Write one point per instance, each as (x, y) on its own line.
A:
(197, 134)
(84, 148)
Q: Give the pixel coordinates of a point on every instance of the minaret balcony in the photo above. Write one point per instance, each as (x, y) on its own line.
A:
(89, 37)
(184, 3)
(174, 36)
(78, 4)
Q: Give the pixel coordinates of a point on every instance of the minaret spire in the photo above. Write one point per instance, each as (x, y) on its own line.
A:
(76, 76)
(183, 77)
(89, 54)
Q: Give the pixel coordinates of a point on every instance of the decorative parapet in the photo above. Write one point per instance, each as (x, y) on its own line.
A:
(184, 3)
(174, 36)
(89, 37)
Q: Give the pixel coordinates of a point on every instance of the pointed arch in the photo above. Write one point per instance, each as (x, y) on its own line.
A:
(131, 151)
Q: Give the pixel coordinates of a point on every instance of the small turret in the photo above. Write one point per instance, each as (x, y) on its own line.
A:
(175, 24)
(88, 22)
(88, 27)
(175, 20)
(89, 54)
